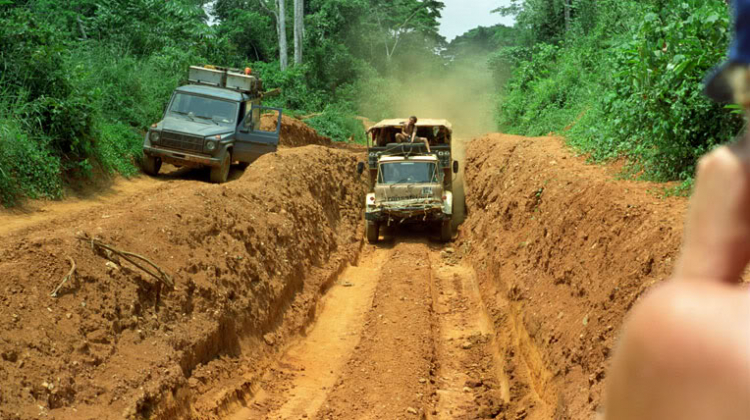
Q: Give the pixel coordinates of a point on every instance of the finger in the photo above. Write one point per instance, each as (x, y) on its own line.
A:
(717, 234)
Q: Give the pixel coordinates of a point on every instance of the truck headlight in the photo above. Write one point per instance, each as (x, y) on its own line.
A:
(210, 145)
(154, 136)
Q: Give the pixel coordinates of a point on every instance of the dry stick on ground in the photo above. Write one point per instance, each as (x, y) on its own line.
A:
(131, 258)
(66, 278)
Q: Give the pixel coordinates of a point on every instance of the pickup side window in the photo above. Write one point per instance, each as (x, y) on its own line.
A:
(256, 116)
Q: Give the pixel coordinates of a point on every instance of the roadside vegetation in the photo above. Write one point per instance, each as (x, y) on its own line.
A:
(619, 78)
(81, 80)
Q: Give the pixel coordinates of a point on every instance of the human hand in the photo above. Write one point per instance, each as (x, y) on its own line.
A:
(716, 245)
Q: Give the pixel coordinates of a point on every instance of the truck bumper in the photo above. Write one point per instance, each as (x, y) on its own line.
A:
(181, 158)
(405, 216)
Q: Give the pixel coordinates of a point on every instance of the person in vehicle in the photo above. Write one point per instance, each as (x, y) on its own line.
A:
(409, 134)
(442, 135)
(685, 348)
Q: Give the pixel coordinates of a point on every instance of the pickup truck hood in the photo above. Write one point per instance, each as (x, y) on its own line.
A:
(196, 128)
(385, 194)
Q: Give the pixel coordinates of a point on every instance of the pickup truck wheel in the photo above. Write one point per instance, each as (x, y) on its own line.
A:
(151, 165)
(220, 174)
(446, 232)
(372, 230)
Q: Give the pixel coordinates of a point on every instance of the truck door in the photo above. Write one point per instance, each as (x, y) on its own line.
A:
(250, 141)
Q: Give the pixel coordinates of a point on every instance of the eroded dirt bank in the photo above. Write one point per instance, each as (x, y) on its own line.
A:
(249, 260)
(294, 133)
(562, 251)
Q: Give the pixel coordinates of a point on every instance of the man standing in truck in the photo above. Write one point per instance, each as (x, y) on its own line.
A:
(409, 134)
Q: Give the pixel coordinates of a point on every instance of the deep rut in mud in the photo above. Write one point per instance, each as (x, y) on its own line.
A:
(403, 334)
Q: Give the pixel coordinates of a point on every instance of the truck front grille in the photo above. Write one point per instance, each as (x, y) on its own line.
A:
(181, 141)
(411, 197)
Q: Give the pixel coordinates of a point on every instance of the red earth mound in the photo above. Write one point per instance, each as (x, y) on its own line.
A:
(249, 260)
(294, 133)
(562, 251)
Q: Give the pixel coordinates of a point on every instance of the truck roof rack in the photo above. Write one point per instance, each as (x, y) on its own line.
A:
(408, 149)
(402, 149)
(226, 78)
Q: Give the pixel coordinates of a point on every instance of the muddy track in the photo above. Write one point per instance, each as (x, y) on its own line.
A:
(403, 334)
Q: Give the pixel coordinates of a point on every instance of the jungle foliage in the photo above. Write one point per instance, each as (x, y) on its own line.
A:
(619, 78)
(81, 80)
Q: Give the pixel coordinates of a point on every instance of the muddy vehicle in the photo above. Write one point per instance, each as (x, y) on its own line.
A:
(212, 122)
(408, 183)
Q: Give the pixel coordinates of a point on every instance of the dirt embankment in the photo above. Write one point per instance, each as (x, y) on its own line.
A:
(249, 260)
(294, 132)
(562, 252)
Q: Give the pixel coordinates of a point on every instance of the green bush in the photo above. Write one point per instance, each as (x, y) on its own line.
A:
(629, 86)
(662, 115)
(26, 167)
(339, 124)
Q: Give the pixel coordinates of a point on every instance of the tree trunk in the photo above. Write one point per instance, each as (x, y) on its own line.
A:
(281, 18)
(299, 29)
(566, 6)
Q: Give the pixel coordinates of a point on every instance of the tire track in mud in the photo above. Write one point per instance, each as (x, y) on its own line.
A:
(470, 385)
(297, 385)
(404, 334)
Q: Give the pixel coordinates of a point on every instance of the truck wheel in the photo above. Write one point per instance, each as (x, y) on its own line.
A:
(446, 233)
(372, 230)
(151, 165)
(219, 174)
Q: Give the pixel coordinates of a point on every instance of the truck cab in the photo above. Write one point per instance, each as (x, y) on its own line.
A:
(213, 121)
(408, 183)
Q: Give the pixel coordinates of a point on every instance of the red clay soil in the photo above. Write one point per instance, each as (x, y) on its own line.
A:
(390, 374)
(562, 252)
(249, 259)
(294, 132)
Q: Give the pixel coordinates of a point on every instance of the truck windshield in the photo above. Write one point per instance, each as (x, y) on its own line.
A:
(209, 109)
(408, 172)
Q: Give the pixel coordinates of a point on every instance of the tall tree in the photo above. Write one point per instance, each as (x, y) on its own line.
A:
(279, 12)
(299, 29)
(281, 27)
(400, 17)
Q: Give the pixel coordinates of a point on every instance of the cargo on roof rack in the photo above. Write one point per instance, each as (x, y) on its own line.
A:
(227, 78)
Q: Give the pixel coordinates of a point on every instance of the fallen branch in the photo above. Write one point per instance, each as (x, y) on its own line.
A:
(132, 258)
(307, 117)
(66, 278)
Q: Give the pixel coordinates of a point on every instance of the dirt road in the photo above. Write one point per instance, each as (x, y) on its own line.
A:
(403, 334)
(280, 311)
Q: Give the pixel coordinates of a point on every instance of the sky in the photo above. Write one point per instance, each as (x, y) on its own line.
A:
(459, 16)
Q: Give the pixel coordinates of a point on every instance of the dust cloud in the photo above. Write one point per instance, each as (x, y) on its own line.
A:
(462, 92)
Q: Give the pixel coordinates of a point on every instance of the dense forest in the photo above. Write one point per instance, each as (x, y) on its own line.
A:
(620, 78)
(81, 80)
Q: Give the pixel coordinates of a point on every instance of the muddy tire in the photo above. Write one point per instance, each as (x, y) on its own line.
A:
(446, 231)
(151, 165)
(372, 230)
(220, 174)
